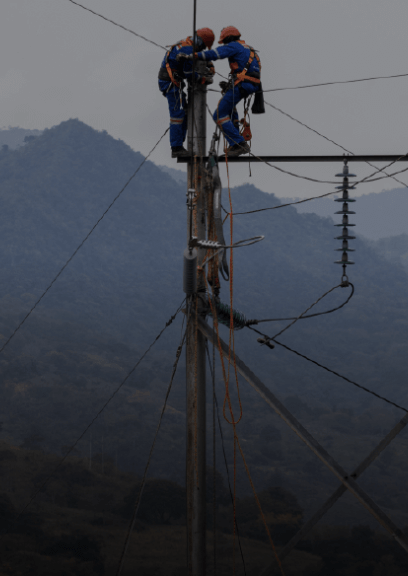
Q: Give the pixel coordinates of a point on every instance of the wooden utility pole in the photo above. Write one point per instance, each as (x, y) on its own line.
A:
(196, 342)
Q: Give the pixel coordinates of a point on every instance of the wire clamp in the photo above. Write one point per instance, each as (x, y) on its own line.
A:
(266, 342)
(191, 196)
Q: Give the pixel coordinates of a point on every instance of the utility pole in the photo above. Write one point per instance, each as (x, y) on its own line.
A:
(196, 341)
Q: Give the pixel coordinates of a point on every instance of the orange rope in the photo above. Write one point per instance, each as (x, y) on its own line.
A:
(260, 507)
(227, 398)
(195, 338)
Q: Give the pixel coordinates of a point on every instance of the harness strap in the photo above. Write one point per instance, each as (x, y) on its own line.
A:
(186, 42)
(241, 76)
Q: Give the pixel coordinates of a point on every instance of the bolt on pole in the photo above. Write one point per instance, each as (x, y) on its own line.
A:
(195, 345)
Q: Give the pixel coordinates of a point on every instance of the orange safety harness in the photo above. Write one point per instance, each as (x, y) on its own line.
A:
(181, 44)
(241, 76)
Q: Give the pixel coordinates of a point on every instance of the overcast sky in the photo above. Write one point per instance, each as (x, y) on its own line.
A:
(60, 62)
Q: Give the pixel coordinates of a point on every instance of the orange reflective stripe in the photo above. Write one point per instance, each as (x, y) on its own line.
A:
(221, 121)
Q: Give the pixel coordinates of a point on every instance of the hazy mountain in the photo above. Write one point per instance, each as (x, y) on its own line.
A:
(377, 215)
(394, 248)
(13, 137)
(126, 281)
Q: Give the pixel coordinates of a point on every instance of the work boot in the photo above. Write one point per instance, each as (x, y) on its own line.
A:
(178, 151)
(238, 149)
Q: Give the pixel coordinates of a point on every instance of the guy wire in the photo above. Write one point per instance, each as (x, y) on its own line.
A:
(83, 241)
(139, 497)
(332, 371)
(72, 447)
(212, 370)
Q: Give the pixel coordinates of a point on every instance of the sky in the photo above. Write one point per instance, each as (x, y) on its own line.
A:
(61, 62)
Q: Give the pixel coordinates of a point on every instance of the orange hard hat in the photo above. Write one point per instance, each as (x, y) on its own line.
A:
(228, 31)
(207, 36)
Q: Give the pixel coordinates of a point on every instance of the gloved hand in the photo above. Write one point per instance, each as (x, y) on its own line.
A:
(208, 79)
(183, 56)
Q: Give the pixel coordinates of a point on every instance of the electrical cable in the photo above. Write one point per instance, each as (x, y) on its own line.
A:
(116, 24)
(310, 198)
(332, 371)
(212, 370)
(367, 179)
(326, 138)
(309, 308)
(83, 241)
(143, 484)
(213, 90)
(73, 446)
(336, 82)
(304, 315)
(281, 169)
(288, 172)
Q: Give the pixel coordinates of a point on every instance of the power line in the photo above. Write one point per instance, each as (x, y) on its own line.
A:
(83, 241)
(337, 82)
(142, 486)
(116, 24)
(329, 140)
(270, 90)
(170, 321)
(303, 316)
(212, 90)
(331, 371)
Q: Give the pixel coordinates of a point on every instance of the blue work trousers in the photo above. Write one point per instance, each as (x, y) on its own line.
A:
(226, 115)
(177, 102)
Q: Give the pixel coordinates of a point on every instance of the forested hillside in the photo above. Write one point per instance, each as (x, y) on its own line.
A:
(125, 283)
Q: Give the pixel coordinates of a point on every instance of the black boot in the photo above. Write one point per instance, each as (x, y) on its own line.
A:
(178, 151)
(238, 149)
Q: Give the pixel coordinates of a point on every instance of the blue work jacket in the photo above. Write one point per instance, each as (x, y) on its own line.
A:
(183, 69)
(238, 55)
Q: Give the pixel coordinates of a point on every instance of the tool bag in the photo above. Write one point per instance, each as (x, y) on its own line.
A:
(258, 107)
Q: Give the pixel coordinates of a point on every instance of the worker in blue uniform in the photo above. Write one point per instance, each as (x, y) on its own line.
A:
(172, 74)
(245, 79)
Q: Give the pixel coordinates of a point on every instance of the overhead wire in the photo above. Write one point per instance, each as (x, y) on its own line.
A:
(330, 140)
(315, 180)
(81, 244)
(116, 24)
(303, 316)
(364, 388)
(336, 82)
(219, 74)
(149, 459)
(107, 402)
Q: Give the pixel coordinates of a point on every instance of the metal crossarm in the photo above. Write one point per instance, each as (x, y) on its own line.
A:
(336, 158)
(346, 479)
